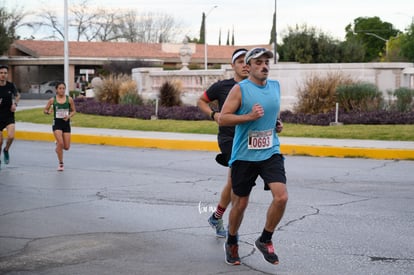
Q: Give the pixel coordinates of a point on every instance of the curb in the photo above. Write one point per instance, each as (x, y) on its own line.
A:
(348, 152)
(199, 145)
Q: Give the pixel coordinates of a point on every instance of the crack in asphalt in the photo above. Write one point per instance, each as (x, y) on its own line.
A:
(282, 227)
(146, 200)
(45, 207)
(385, 259)
(349, 202)
(387, 163)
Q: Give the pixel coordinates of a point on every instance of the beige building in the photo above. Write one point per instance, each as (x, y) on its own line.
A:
(33, 61)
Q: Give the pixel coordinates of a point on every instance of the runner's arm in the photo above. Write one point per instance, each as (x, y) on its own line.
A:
(232, 104)
(47, 110)
(72, 107)
(203, 105)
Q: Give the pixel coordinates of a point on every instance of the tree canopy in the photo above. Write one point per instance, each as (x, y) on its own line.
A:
(9, 23)
(367, 39)
(373, 33)
(407, 43)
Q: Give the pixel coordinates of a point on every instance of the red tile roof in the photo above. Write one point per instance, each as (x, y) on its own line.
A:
(38, 48)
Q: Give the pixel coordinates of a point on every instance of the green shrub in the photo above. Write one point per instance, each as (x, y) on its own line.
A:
(74, 94)
(170, 93)
(131, 98)
(318, 93)
(194, 66)
(404, 101)
(362, 97)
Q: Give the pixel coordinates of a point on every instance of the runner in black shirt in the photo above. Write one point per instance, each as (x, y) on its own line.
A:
(219, 91)
(9, 98)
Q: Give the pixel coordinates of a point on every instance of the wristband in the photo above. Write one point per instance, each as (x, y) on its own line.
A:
(212, 114)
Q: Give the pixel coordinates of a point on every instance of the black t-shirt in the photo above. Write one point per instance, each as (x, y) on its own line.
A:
(219, 91)
(7, 93)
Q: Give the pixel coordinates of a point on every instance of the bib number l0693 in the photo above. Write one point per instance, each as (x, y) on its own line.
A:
(260, 139)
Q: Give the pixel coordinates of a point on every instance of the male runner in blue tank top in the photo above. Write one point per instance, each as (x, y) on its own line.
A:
(253, 106)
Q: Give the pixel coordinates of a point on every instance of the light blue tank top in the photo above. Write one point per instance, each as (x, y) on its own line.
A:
(268, 97)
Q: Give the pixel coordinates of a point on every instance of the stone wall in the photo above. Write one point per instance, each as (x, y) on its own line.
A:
(386, 76)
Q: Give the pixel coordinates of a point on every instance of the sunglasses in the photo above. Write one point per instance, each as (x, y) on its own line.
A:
(256, 51)
(253, 53)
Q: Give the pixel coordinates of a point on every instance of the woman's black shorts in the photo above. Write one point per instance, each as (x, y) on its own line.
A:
(60, 124)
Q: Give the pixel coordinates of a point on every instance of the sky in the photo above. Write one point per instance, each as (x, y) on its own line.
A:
(250, 20)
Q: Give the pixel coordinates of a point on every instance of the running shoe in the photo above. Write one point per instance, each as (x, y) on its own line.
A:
(60, 167)
(217, 224)
(232, 254)
(6, 156)
(267, 250)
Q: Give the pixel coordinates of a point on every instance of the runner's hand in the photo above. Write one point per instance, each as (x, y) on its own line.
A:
(257, 111)
(279, 126)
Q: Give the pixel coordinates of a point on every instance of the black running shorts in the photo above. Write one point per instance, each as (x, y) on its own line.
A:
(5, 122)
(60, 124)
(245, 173)
(225, 155)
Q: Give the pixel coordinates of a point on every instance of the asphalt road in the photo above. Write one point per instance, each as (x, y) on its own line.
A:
(120, 210)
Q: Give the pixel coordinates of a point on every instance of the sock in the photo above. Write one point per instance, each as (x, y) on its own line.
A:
(219, 212)
(231, 239)
(266, 236)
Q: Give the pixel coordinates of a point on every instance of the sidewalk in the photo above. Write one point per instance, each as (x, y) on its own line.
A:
(177, 141)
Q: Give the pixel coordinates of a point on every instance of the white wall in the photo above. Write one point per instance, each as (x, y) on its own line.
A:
(386, 76)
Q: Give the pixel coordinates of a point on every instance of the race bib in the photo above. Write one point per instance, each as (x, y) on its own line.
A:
(260, 140)
(62, 113)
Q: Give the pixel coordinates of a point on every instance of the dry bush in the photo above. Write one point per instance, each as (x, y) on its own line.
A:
(114, 88)
(170, 93)
(319, 92)
(128, 86)
(128, 93)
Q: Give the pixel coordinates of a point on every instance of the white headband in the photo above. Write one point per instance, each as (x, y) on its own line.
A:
(237, 55)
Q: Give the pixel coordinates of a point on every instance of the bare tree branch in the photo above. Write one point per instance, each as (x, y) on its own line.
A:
(103, 24)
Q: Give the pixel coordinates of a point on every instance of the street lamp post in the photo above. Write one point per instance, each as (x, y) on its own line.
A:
(66, 48)
(205, 36)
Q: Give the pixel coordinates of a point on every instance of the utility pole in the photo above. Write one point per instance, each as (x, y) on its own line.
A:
(66, 49)
(205, 36)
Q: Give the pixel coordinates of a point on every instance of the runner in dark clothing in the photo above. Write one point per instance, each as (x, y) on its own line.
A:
(219, 91)
(9, 98)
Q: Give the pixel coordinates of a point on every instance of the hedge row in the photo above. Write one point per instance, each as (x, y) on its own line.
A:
(91, 106)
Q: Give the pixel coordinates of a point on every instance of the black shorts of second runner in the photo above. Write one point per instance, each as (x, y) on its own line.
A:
(224, 157)
(60, 124)
(5, 122)
(245, 173)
